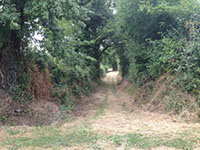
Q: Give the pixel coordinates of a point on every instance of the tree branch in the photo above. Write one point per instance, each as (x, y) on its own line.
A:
(104, 50)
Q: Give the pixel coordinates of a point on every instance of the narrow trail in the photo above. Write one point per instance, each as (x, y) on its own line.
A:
(108, 120)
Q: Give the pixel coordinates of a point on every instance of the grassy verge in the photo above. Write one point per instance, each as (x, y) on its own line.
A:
(54, 138)
(48, 137)
(146, 142)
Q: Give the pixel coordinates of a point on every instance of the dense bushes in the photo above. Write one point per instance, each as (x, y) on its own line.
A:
(161, 37)
(161, 40)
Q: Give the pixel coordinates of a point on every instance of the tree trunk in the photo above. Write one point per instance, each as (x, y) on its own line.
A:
(98, 70)
(9, 53)
(114, 66)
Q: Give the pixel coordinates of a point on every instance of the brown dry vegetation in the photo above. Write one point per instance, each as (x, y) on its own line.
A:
(37, 111)
(40, 83)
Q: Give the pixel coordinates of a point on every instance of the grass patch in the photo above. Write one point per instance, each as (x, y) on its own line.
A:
(15, 131)
(141, 141)
(118, 140)
(82, 135)
(181, 144)
(101, 108)
(100, 111)
(44, 130)
(47, 137)
(42, 141)
(145, 142)
(136, 140)
(114, 90)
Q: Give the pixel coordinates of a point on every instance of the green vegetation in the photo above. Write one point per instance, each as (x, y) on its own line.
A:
(101, 108)
(51, 50)
(160, 37)
(48, 137)
(156, 39)
(145, 142)
(100, 111)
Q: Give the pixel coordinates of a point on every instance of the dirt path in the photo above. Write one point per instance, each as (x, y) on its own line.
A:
(121, 116)
(111, 111)
(109, 120)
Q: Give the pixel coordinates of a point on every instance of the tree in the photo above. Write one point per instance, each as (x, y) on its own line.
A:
(19, 21)
(96, 32)
(152, 33)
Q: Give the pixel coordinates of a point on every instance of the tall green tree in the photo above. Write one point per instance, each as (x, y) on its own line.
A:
(96, 32)
(19, 21)
(153, 33)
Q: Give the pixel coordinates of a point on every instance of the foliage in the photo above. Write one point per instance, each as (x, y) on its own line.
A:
(51, 48)
(49, 35)
(160, 37)
(96, 34)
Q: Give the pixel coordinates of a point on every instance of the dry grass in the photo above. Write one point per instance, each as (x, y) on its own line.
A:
(40, 84)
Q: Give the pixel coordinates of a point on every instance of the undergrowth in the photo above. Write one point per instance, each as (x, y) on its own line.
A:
(163, 95)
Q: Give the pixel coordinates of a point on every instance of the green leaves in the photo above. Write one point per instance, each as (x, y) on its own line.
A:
(9, 16)
(160, 36)
(60, 23)
(14, 25)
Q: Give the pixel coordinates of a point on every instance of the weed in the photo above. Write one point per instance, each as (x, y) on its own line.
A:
(174, 104)
(4, 118)
(67, 108)
(118, 140)
(20, 95)
(95, 147)
(14, 131)
(39, 124)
